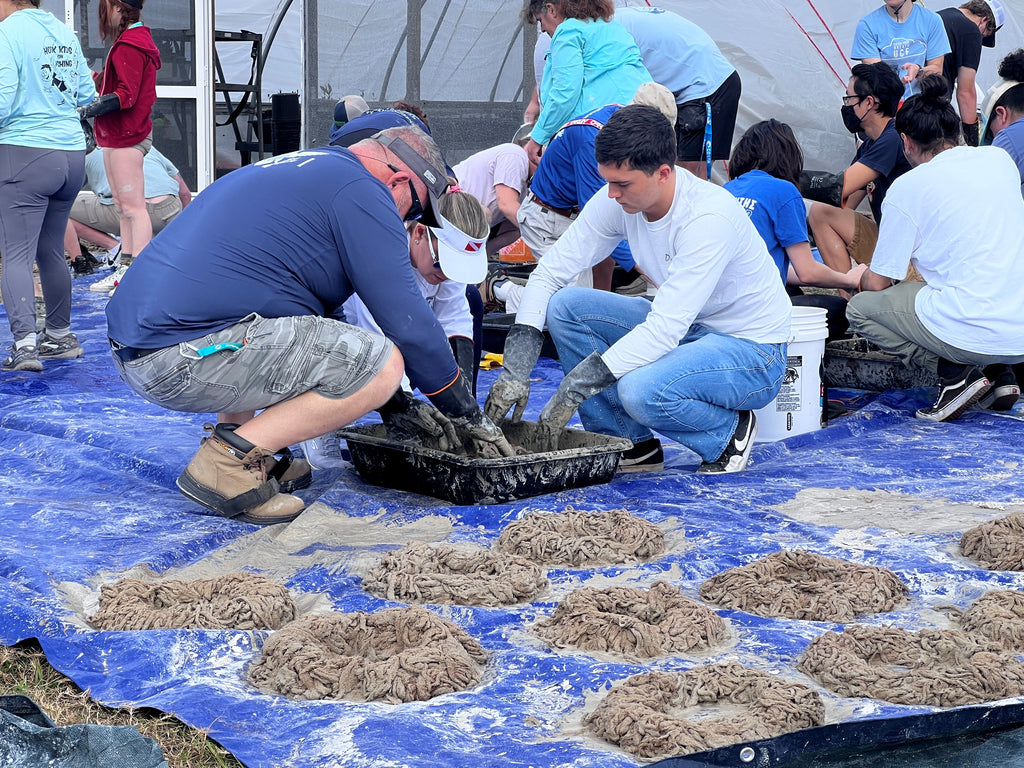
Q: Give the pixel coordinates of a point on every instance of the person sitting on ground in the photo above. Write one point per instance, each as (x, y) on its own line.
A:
(224, 316)
(444, 260)
(1003, 110)
(95, 219)
(592, 62)
(694, 363)
(907, 38)
(969, 28)
(967, 314)
(764, 170)
(681, 56)
(497, 176)
(841, 233)
(566, 178)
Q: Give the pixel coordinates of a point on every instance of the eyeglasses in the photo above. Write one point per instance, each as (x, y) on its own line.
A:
(847, 102)
(434, 253)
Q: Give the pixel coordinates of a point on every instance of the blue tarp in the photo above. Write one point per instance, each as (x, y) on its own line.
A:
(87, 481)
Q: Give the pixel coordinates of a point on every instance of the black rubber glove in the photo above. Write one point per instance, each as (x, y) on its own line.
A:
(471, 426)
(585, 380)
(462, 348)
(822, 186)
(512, 387)
(410, 420)
(104, 105)
(90, 137)
(971, 133)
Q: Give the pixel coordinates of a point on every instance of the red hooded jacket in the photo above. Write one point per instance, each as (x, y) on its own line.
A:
(130, 72)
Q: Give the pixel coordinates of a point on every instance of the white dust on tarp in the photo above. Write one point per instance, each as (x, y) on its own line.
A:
(853, 508)
(320, 536)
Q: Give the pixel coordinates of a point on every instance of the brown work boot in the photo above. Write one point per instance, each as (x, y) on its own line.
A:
(228, 475)
(293, 474)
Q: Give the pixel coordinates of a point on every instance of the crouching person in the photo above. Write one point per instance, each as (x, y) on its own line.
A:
(234, 309)
(959, 218)
(694, 363)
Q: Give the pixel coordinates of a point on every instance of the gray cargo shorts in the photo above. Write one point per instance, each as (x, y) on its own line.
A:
(277, 359)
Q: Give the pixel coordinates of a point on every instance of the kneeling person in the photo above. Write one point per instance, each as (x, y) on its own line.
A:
(236, 307)
(694, 363)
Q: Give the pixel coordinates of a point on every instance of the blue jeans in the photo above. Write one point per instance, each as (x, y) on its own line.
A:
(691, 395)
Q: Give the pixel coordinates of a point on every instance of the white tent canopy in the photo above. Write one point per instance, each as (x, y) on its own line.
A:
(792, 56)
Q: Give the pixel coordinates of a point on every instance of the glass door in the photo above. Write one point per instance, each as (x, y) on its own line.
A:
(183, 116)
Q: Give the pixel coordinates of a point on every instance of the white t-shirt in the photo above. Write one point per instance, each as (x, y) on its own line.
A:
(708, 261)
(478, 174)
(960, 219)
(447, 300)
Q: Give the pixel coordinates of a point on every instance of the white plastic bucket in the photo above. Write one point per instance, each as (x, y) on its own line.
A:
(799, 406)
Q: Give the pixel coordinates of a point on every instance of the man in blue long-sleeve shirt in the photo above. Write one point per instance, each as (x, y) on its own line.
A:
(236, 307)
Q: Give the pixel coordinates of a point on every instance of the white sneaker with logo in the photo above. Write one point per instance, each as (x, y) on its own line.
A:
(109, 283)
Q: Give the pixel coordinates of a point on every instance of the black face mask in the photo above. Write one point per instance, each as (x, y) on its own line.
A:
(850, 119)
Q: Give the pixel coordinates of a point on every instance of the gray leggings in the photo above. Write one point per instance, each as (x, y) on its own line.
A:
(37, 189)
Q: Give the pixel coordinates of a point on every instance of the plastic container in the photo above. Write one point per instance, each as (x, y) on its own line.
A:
(584, 458)
(854, 364)
(800, 405)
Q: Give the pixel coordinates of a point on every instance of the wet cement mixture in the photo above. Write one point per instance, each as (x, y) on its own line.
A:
(803, 585)
(463, 575)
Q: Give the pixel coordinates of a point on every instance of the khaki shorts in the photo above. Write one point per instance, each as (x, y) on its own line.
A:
(279, 359)
(90, 211)
(865, 238)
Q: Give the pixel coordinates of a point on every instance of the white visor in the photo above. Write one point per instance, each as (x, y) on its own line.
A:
(463, 258)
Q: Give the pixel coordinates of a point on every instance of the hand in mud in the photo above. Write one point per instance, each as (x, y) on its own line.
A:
(477, 428)
(418, 422)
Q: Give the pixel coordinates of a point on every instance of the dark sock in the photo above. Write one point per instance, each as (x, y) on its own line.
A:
(950, 370)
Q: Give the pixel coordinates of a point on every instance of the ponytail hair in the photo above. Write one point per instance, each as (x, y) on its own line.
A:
(131, 12)
(928, 117)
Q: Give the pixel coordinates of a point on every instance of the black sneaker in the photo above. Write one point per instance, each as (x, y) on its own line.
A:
(737, 451)
(1005, 391)
(646, 456)
(956, 395)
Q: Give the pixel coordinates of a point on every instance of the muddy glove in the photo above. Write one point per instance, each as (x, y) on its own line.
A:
(104, 105)
(474, 430)
(585, 380)
(410, 420)
(90, 137)
(971, 133)
(462, 348)
(823, 187)
(522, 349)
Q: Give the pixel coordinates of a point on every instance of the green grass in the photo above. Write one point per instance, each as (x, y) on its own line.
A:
(25, 671)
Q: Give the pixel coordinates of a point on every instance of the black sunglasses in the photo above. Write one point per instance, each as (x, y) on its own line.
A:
(416, 209)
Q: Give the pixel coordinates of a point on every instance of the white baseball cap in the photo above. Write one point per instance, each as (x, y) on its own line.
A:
(462, 258)
(989, 41)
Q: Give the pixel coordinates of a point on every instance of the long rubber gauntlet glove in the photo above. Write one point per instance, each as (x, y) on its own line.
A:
(585, 380)
(512, 387)
(104, 105)
(473, 429)
(822, 186)
(409, 420)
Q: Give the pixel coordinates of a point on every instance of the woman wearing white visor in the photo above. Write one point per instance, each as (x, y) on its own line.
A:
(445, 259)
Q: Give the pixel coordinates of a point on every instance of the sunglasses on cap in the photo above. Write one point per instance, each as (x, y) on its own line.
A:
(434, 180)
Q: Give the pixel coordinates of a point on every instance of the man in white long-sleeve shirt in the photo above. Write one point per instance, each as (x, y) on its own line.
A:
(693, 364)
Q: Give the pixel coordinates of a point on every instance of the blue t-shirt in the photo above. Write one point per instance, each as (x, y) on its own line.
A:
(776, 210)
(914, 41)
(885, 155)
(292, 235)
(158, 172)
(1011, 138)
(43, 78)
(567, 176)
(678, 54)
